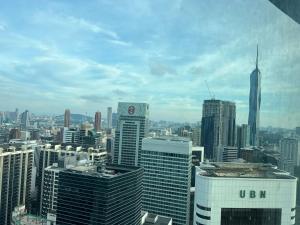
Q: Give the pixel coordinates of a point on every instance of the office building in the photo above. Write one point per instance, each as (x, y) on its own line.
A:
(47, 155)
(50, 184)
(290, 8)
(97, 122)
(15, 180)
(110, 195)
(167, 165)
(243, 136)
(230, 154)
(217, 127)
(289, 154)
(254, 104)
(196, 135)
(132, 128)
(109, 117)
(244, 194)
(25, 120)
(67, 118)
(297, 131)
(71, 135)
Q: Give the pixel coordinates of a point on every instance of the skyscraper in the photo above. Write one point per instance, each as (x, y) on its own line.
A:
(25, 120)
(167, 164)
(67, 118)
(243, 136)
(217, 127)
(254, 104)
(15, 180)
(109, 117)
(133, 119)
(288, 154)
(97, 122)
(94, 195)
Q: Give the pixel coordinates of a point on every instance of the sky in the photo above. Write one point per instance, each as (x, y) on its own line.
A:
(88, 55)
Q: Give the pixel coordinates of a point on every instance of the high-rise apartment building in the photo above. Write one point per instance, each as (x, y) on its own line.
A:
(133, 119)
(15, 180)
(97, 122)
(96, 195)
(254, 104)
(167, 166)
(218, 127)
(244, 194)
(47, 155)
(109, 117)
(67, 118)
(289, 154)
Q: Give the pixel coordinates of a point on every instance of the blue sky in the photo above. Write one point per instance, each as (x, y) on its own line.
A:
(87, 55)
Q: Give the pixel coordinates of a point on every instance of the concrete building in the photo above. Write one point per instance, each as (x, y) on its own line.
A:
(15, 180)
(109, 117)
(230, 154)
(25, 120)
(289, 154)
(217, 127)
(97, 122)
(132, 128)
(153, 219)
(71, 136)
(110, 195)
(67, 118)
(167, 165)
(21, 217)
(244, 193)
(254, 104)
(243, 136)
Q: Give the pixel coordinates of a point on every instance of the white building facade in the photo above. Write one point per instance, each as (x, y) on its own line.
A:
(248, 194)
(167, 177)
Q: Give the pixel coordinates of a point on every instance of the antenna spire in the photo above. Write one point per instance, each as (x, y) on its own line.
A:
(257, 56)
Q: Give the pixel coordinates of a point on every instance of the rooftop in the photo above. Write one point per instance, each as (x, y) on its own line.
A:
(153, 219)
(242, 170)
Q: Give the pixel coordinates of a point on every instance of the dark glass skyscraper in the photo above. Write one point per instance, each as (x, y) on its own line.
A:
(254, 104)
(90, 195)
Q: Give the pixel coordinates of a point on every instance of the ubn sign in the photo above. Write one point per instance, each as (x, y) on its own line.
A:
(253, 194)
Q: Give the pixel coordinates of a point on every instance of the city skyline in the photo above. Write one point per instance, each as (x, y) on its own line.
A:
(152, 57)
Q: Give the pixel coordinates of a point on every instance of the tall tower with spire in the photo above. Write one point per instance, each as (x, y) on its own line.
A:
(254, 103)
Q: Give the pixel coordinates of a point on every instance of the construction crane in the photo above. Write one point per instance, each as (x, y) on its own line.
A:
(210, 93)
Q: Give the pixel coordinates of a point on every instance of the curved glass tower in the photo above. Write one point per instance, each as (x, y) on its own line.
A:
(254, 104)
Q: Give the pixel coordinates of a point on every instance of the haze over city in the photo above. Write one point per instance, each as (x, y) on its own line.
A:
(90, 55)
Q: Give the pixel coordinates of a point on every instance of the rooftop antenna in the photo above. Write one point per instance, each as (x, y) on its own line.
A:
(210, 93)
(257, 56)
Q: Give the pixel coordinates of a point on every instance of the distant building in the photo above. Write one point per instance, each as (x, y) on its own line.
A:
(67, 118)
(97, 122)
(25, 120)
(132, 128)
(254, 104)
(230, 154)
(196, 135)
(14, 133)
(71, 136)
(217, 127)
(244, 194)
(167, 177)
(109, 117)
(297, 131)
(289, 154)
(106, 196)
(15, 177)
(243, 136)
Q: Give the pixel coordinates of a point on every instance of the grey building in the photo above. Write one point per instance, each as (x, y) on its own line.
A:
(218, 127)
(15, 181)
(230, 154)
(109, 117)
(243, 136)
(289, 154)
(254, 104)
(100, 196)
(25, 120)
(133, 119)
(167, 166)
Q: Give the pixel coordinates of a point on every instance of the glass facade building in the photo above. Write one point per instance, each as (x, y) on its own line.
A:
(90, 195)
